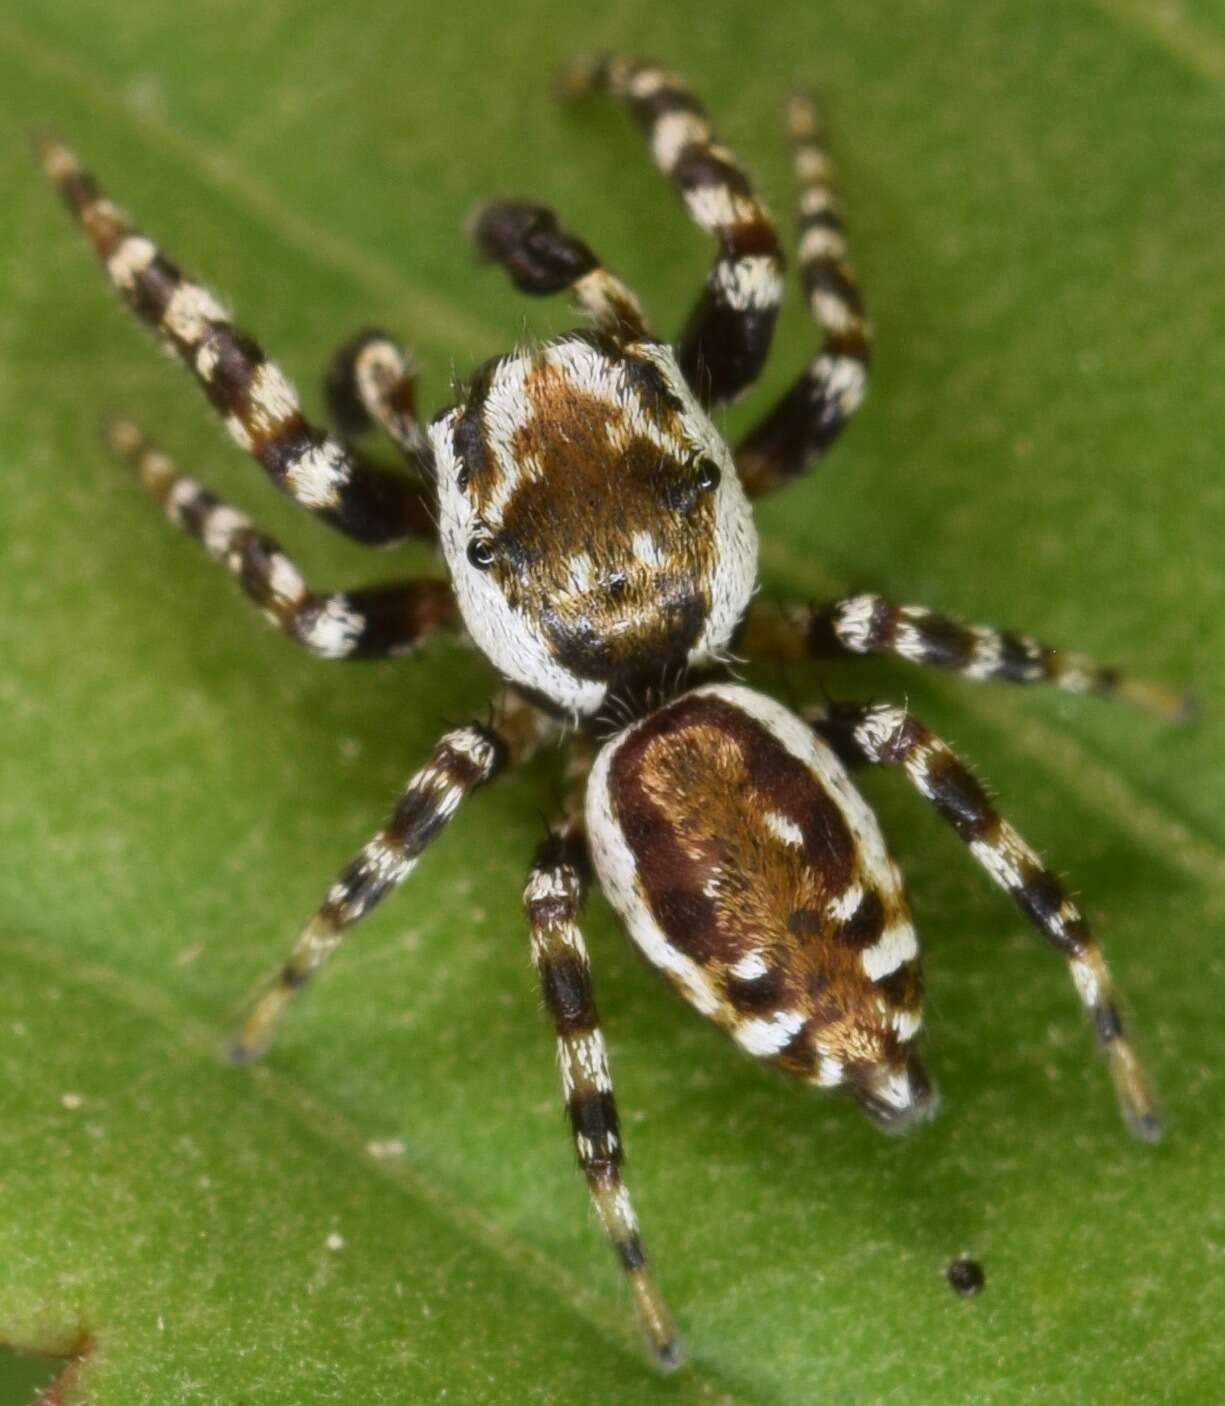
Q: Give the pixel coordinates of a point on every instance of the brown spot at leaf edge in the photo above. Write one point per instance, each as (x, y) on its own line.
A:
(56, 1392)
(965, 1277)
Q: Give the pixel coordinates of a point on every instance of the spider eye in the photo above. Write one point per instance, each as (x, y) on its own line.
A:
(481, 553)
(709, 474)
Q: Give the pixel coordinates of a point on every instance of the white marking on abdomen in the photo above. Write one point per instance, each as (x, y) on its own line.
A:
(891, 950)
(750, 967)
(906, 1024)
(846, 905)
(786, 830)
(768, 1036)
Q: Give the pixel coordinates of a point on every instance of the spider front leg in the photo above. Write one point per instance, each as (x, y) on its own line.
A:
(871, 624)
(552, 899)
(258, 405)
(372, 381)
(464, 759)
(889, 736)
(543, 258)
(811, 415)
(369, 623)
(727, 337)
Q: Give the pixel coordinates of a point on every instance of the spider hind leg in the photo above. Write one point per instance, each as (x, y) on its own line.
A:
(552, 900)
(889, 736)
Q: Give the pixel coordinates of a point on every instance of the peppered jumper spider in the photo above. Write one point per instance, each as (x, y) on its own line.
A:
(600, 551)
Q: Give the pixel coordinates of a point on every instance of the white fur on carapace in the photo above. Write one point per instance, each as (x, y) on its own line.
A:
(511, 640)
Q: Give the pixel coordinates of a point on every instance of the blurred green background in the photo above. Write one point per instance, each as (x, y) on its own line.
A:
(387, 1210)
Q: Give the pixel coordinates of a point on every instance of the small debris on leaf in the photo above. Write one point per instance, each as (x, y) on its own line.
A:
(965, 1276)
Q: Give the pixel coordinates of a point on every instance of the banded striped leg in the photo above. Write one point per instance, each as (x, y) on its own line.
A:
(541, 257)
(870, 624)
(259, 407)
(810, 416)
(370, 623)
(727, 337)
(464, 759)
(372, 381)
(553, 898)
(889, 736)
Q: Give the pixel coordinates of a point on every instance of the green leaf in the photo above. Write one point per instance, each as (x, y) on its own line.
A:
(387, 1209)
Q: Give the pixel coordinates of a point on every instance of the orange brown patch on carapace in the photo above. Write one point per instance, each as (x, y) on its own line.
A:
(579, 434)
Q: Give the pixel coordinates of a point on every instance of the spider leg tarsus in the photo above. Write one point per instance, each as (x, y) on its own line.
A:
(1146, 1127)
(264, 1016)
(668, 1356)
(577, 79)
(1172, 704)
(236, 1053)
(1137, 1105)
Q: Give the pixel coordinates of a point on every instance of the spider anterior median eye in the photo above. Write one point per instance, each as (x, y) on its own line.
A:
(709, 474)
(481, 553)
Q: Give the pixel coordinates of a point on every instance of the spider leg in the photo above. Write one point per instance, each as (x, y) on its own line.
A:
(870, 624)
(371, 381)
(463, 759)
(369, 623)
(727, 337)
(259, 407)
(541, 257)
(809, 417)
(552, 899)
(889, 736)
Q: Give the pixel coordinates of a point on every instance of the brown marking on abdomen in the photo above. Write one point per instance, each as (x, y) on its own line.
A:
(742, 852)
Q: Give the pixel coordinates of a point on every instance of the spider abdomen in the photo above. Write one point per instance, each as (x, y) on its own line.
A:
(747, 867)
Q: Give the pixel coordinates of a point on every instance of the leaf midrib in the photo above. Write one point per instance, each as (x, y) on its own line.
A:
(1192, 46)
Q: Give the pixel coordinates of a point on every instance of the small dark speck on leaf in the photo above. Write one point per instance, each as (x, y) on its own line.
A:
(965, 1276)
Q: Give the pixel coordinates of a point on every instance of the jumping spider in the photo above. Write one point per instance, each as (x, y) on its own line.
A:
(601, 553)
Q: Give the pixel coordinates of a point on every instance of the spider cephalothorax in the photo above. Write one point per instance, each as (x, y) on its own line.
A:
(599, 546)
(544, 444)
